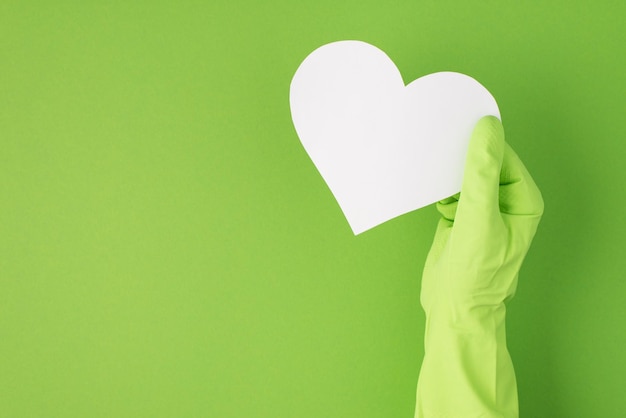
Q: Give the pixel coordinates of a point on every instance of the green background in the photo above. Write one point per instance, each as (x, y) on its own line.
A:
(167, 248)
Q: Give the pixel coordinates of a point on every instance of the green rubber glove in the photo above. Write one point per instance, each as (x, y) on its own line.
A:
(470, 272)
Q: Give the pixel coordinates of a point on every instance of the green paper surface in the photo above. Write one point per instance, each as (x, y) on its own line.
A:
(167, 248)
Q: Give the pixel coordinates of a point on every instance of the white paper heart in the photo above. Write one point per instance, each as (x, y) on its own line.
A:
(383, 148)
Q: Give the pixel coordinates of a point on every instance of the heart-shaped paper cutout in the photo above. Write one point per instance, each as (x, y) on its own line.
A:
(383, 148)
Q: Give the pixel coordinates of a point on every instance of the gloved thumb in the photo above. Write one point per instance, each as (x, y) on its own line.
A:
(479, 200)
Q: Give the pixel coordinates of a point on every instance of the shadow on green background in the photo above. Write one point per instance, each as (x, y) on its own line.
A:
(168, 249)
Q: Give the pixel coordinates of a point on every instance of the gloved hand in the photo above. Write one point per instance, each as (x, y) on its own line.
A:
(471, 271)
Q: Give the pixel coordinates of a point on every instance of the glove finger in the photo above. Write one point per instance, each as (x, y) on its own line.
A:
(478, 204)
(447, 207)
(519, 195)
